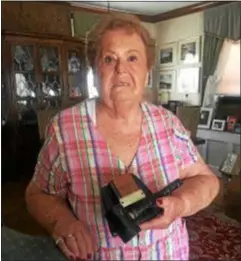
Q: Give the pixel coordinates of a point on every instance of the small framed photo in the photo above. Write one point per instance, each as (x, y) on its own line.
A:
(168, 55)
(188, 80)
(231, 121)
(237, 128)
(205, 118)
(166, 80)
(189, 51)
(231, 165)
(163, 97)
(218, 125)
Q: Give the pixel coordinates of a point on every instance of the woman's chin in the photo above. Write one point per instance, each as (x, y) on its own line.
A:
(123, 94)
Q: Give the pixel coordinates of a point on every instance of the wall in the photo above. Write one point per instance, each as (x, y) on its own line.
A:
(180, 28)
(177, 29)
(151, 28)
(36, 17)
(84, 21)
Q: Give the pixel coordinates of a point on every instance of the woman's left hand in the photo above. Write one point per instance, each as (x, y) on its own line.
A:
(173, 207)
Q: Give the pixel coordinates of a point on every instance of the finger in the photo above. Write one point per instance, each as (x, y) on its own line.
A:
(154, 223)
(95, 246)
(65, 250)
(89, 242)
(71, 243)
(82, 246)
(163, 202)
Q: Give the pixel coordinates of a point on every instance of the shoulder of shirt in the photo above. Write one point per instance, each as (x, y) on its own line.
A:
(61, 117)
(165, 116)
(158, 112)
(76, 108)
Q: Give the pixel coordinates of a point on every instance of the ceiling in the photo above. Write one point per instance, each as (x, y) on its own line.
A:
(138, 7)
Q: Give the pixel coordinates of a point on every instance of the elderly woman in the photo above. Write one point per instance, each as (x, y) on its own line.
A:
(91, 143)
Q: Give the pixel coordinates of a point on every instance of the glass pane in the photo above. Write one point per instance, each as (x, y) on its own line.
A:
(25, 84)
(49, 59)
(23, 58)
(51, 85)
(188, 80)
(4, 100)
(22, 106)
(75, 82)
(76, 75)
(74, 63)
(189, 52)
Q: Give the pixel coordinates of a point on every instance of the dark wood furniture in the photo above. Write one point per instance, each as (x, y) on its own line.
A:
(39, 72)
(42, 71)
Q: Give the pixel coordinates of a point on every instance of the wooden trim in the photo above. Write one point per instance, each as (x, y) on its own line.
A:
(150, 18)
(187, 10)
(96, 10)
(8, 35)
(201, 6)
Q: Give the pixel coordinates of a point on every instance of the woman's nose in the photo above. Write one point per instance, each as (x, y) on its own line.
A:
(120, 66)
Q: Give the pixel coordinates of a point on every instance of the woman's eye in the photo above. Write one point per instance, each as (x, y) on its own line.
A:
(132, 58)
(108, 59)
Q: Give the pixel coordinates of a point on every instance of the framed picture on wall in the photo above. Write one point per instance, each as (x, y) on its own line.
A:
(167, 80)
(188, 80)
(168, 55)
(189, 51)
(150, 79)
(205, 118)
(163, 97)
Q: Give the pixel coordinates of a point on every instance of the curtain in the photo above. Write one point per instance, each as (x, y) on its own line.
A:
(212, 49)
(219, 23)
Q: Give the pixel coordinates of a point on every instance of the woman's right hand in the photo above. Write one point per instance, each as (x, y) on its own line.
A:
(74, 239)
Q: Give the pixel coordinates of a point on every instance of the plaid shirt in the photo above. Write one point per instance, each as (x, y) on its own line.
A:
(75, 162)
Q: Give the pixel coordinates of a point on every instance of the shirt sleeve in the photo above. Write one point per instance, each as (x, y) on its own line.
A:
(186, 152)
(49, 173)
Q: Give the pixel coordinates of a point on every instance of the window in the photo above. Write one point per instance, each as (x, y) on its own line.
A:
(228, 69)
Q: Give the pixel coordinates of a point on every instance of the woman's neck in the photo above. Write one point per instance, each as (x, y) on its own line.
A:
(124, 111)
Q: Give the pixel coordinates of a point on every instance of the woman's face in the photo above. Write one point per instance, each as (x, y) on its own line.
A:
(122, 67)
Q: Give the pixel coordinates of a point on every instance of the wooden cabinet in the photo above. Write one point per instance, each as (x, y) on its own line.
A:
(232, 199)
(42, 72)
(39, 73)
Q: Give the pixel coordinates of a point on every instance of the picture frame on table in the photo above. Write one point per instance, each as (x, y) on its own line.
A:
(231, 164)
(189, 51)
(205, 118)
(188, 79)
(167, 80)
(218, 125)
(167, 55)
(231, 121)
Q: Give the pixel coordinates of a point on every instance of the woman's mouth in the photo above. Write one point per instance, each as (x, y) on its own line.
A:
(121, 84)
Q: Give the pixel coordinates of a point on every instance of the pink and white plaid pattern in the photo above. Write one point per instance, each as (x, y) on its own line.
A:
(75, 162)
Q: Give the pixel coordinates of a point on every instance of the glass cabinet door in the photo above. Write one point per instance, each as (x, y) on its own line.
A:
(76, 73)
(24, 72)
(50, 75)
